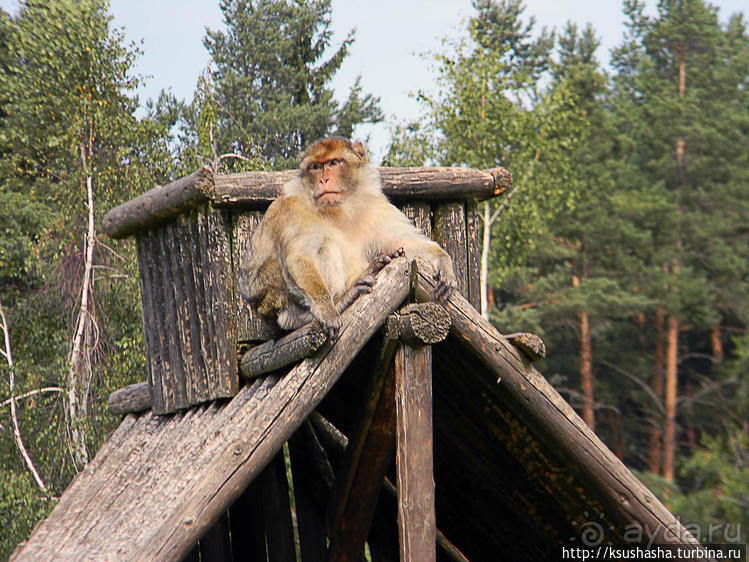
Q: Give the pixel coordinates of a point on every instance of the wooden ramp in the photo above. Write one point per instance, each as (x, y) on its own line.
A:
(517, 471)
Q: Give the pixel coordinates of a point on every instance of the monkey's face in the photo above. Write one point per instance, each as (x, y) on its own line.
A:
(329, 181)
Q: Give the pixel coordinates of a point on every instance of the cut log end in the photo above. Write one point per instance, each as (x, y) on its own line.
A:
(531, 345)
(419, 324)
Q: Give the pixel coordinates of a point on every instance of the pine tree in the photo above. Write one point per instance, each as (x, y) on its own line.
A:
(272, 80)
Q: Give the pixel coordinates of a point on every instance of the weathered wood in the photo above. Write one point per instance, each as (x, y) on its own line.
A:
(159, 204)
(337, 439)
(419, 324)
(187, 309)
(275, 354)
(313, 480)
(554, 422)
(417, 527)
(279, 530)
(178, 473)
(365, 463)
(246, 521)
(250, 325)
(531, 345)
(132, 398)
(420, 214)
(450, 232)
(215, 546)
(473, 242)
(258, 189)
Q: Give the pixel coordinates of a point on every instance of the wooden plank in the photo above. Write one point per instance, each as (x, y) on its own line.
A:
(258, 189)
(132, 398)
(279, 531)
(250, 326)
(165, 491)
(365, 463)
(246, 525)
(223, 380)
(417, 527)
(473, 244)
(215, 546)
(313, 480)
(147, 307)
(159, 204)
(554, 422)
(450, 232)
(168, 383)
(420, 214)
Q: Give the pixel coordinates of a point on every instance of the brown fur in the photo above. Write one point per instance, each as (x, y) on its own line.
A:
(317, 239)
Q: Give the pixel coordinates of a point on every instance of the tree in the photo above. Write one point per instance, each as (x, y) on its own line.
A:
(681, 87)
(272, 80)
(494, 108)
(72, 149)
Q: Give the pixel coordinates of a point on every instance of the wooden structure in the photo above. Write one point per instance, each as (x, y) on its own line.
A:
(422, 432)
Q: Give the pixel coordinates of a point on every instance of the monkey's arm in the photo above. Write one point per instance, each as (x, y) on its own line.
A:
(365, 283)
(315, 294)
(395, 230)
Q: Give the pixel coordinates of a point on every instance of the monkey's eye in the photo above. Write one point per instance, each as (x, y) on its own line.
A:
(334, 162)
(315, 167)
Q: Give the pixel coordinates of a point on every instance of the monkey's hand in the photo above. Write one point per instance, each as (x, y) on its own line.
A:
(365, 283)
(330, 321)
(445, 278)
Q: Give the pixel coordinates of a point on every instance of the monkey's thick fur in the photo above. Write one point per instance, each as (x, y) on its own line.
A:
(329, 232)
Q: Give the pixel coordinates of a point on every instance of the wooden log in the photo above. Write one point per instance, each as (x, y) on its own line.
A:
(246, 521)
(450, 232)
(554, 422)
(250, 325)
(255, 424)
(275, 354)
(417, 527)
(336, 438)
(132, 398)
(473, 240)
(159, 204)
(420, 214)
(365, 463)
(258, 189)
(419, 324)
(531, 345)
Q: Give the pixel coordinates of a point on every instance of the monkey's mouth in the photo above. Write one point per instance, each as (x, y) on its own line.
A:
(329, 197)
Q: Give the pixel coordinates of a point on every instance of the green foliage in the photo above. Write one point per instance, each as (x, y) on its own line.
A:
(20, 509)
(272, 80)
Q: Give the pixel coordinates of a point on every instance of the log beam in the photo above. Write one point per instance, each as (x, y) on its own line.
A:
(417, 526)
(159, 204)
(129, 400)
(275, 354)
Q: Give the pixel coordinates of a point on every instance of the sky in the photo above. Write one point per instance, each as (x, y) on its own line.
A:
(392, 37)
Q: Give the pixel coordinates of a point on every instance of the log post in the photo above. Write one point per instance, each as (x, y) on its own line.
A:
(417, 527)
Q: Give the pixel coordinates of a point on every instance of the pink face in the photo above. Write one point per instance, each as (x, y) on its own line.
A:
(327, 180)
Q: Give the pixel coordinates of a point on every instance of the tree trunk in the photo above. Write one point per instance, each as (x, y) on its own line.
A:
(669, 430)
(654, 441)
(80, 366)
(586, 363)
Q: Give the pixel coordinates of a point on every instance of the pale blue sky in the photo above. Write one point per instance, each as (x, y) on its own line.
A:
(390, 35)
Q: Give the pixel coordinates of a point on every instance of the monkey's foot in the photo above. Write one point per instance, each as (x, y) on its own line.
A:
(378, 264)
(445, 284)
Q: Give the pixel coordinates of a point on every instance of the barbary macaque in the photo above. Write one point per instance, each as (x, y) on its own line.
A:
(321, 243)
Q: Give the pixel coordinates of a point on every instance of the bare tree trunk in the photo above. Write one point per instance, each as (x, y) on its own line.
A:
(80, 354)
(484, 281)
(716, 344)
(8, 354)
(586, 364)
(669, 430)
(654, 441)
(672, 336)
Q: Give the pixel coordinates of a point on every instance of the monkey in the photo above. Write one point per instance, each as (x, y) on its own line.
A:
(321, 243)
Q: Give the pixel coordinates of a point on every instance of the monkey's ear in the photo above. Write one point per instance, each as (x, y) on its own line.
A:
(359, 149)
